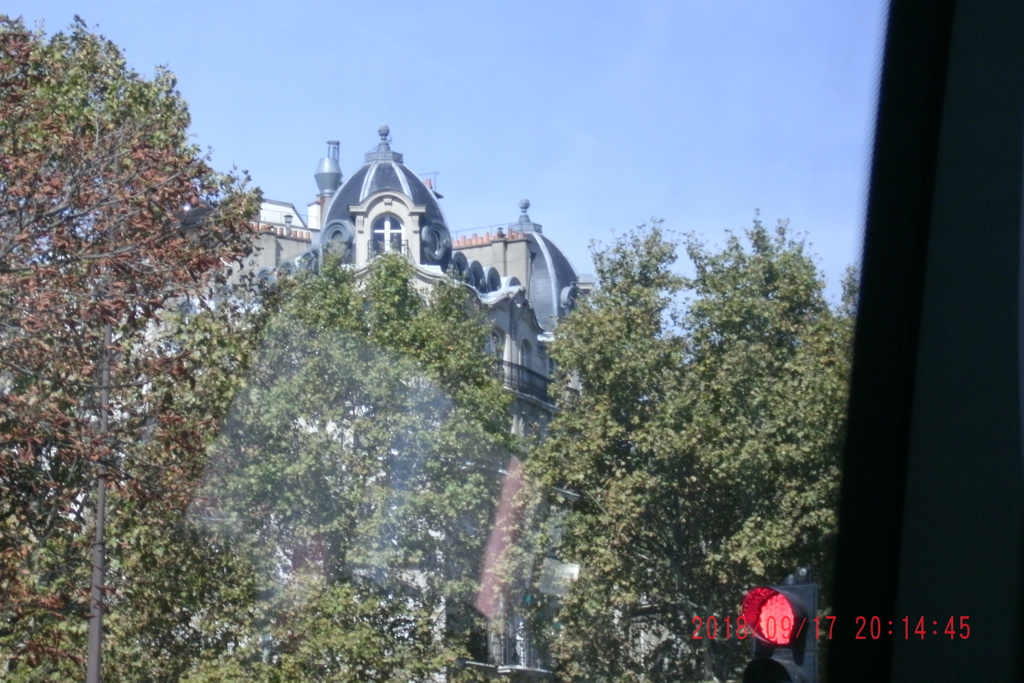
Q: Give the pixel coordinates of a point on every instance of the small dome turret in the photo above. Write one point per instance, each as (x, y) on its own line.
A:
(552, 277)
(384, 171)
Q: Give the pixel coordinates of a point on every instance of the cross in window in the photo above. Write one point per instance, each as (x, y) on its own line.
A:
(390, 232)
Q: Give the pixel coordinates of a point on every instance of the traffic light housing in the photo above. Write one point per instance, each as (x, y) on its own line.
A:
(784, 636)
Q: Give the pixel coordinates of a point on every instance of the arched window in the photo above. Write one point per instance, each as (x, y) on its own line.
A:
(387, 234)
(526, 354)
(496, 344)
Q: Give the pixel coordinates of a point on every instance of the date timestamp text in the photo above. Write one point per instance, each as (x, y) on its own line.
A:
(822, 628)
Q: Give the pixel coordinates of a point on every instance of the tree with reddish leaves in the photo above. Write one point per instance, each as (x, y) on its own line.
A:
(108, 218)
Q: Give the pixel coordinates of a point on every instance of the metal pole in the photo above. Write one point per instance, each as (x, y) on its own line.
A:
(96, 606)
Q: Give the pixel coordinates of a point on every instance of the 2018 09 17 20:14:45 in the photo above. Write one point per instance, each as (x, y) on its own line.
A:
(822, 628)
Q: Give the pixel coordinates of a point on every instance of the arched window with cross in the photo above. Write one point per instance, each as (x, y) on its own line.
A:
(387, 234)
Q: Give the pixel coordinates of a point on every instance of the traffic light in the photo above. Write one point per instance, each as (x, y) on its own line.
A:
(782, 620)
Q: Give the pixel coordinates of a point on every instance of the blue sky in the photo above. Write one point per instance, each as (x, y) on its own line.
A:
(604, 114)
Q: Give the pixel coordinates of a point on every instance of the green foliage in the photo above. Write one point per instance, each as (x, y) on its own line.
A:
(357, 476)
(95, 172)
(705, 446)
(331, 631)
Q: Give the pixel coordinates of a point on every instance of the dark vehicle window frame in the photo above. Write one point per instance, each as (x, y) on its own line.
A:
(932, 510)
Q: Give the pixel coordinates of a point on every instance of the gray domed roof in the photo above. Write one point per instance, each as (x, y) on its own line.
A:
(552, 286)
(552, 281)
(383, 170)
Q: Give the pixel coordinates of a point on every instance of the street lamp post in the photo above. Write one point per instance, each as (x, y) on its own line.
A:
(96, 606)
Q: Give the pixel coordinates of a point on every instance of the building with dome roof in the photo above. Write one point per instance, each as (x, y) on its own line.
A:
(523, 280)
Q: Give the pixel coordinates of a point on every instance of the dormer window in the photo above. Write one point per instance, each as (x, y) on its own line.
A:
(387, 234)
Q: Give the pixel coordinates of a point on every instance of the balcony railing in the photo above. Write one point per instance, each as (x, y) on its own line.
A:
(377, 247)
(516, 647)
(511, 647)
(524, 380)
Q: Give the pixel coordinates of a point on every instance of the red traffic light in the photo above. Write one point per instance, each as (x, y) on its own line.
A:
(782, 650)
(775, 617)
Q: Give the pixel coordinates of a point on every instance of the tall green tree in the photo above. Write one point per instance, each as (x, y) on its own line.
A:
(704, 445)
(358, 475)
(107, 216)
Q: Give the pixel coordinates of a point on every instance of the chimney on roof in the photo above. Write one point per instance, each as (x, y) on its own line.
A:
(328, 173)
